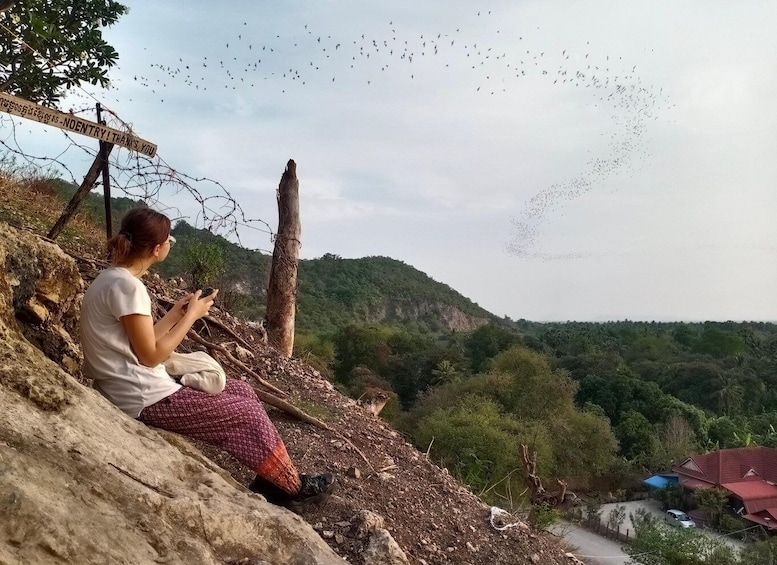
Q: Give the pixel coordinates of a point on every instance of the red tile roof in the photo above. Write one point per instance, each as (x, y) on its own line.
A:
(756, 495)
(762, 519)
(731, 465)
(749, 473)
(694, 484)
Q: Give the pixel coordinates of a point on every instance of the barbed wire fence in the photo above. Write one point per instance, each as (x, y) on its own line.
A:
(149, 179)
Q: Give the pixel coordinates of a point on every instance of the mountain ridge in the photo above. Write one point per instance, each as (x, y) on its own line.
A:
(332, 291)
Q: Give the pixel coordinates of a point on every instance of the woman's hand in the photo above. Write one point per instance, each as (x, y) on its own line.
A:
(172, 317)
(154, 343)
(179, 308)
(198, 307)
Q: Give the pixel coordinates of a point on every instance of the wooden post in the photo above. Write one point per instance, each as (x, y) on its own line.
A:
(106, 180)
(282, 288)
(78, 197)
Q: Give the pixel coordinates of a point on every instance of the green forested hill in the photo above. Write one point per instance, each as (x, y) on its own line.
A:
(333, 292)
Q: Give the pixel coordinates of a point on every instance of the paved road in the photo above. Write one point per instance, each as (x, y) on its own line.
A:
(651, 506)
(598, 550)
(654, 507)
(588, 546)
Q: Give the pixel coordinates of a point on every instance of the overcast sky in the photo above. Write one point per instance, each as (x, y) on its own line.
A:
(549, 160)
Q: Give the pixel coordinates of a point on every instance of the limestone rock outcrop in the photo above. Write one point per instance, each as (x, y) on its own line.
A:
(381, 549)
(452, 317)
(80, 482)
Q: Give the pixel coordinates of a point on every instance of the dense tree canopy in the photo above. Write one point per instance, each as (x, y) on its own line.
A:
(55, 45)
(520, 400)
(577, 389)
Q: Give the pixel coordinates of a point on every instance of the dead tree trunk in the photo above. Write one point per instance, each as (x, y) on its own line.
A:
(530, 473)
(89, 180)
(104, 151)
(538, 493)
(282, 289)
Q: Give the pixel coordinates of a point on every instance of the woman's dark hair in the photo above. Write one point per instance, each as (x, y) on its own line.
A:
(141, 230)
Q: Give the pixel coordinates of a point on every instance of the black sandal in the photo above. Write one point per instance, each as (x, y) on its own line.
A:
(314, 488)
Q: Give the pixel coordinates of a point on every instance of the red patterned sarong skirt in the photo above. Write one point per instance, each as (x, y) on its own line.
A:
(234, 421)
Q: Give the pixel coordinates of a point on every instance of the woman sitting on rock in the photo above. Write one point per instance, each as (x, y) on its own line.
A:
(124, 351)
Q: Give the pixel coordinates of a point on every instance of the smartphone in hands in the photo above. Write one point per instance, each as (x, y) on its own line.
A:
(205, 293)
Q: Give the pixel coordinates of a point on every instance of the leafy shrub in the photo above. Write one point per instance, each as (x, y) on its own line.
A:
(728, 523)
(205, 263)
(670, 496)
(593, 508)
(712, 502)
(762, 552)
(642, 520)
(543, 516)
(474, 440)
(616, 517)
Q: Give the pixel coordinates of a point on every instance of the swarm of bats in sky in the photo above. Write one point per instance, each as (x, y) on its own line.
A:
(248, 60)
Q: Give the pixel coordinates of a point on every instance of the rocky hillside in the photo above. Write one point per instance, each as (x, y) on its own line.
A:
(82, 483)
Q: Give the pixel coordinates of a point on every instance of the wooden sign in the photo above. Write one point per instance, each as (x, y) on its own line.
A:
(26, 109)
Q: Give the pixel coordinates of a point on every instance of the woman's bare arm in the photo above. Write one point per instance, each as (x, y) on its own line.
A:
(172, 317)
(151, 351)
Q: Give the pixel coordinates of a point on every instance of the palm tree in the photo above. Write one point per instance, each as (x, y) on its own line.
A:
(445, 372)
(730, 393)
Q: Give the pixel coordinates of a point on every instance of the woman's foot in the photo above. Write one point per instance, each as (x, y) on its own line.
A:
(270, 491)
(314, 488)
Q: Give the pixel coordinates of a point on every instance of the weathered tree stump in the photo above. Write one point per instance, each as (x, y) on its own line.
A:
(282, 288)
(538, 493)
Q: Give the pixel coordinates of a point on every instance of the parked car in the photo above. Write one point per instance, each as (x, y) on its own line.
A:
(679, 519)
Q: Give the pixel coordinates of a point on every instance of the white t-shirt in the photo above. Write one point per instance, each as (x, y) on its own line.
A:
(108, 356)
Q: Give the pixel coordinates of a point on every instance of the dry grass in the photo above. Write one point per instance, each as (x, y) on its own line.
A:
(30, 202)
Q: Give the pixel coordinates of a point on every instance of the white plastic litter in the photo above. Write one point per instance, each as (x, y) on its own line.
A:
(497, 519)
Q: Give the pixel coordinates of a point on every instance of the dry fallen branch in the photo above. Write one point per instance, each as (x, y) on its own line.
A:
(212, 347)
(266, 397)
(359, 451)
(231, 358)
(229, 331)
(80, 258)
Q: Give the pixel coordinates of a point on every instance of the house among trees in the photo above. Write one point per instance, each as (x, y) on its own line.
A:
(748, 474)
